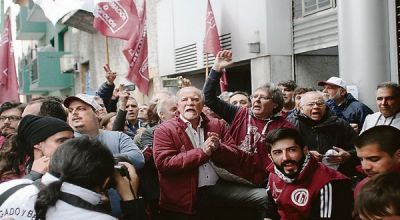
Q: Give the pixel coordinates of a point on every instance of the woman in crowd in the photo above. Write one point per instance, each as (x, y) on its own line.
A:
(79, 171)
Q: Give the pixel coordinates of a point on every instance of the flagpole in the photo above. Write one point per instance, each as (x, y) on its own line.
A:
(206, 66)
(107, 52)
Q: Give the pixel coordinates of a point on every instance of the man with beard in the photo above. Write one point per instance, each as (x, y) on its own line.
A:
(10, 115)
(352, 110)
(187, 150)
(329, 138)
(388, 103)
(300, 186)
(83, 118)
(379, 151)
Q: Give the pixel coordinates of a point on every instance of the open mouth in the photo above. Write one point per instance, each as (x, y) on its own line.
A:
(316, 114)
(290, 166)
(190, 110)
(76, 119)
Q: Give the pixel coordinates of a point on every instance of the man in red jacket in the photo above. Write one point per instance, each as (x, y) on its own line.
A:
(187, 150)
(379, 151)
(248, 126)
(302, 187)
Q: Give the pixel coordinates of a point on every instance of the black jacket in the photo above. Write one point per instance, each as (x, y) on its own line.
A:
(324, 134)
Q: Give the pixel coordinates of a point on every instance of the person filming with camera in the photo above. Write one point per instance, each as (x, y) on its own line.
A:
(80, 170)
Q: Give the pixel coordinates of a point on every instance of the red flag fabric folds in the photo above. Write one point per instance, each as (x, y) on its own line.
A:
(211, 40)
(212, 44)
(136, 52)
(117, 19)
(8, 75)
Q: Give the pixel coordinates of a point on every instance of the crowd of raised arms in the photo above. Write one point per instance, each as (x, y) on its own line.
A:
(284, 152)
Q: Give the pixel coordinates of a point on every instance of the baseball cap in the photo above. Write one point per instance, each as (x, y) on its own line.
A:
(336, 81)
(88, 99)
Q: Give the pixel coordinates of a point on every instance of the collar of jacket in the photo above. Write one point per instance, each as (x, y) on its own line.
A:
(329, 119)
(347, 101)
(272, 118)
(182, 124)
(307, 169)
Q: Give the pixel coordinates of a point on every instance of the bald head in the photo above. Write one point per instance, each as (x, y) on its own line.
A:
(312, 104)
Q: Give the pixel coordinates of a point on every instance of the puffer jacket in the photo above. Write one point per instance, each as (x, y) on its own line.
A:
(354, 111)
(329, 132)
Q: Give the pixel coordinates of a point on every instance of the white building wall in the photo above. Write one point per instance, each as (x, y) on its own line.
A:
(182, 22)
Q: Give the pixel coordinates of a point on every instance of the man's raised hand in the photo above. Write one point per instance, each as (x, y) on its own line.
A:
(110, 75)
(222, 60)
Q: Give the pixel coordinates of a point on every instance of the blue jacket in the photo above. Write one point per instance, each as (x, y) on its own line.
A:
(353, 110)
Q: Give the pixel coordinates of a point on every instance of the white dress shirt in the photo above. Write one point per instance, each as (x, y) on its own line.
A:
(207, 174)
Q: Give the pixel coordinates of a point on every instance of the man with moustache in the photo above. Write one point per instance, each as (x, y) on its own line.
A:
(300, 186)
(186, 150)
(10, 115)
(329, 138)
(388, 103)
(339, 99)
(83, 118)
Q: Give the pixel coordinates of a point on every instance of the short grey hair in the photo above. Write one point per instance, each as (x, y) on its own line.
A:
(196, 90)
(276, 93)
(390, 85)
(164, 102)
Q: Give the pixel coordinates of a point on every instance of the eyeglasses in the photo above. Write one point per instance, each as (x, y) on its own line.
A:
(12, 118)
(319, 104)
(261, 97)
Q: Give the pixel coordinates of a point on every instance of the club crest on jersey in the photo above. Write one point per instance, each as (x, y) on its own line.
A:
(300, 197)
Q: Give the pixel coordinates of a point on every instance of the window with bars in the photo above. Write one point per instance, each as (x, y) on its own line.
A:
(303, 8)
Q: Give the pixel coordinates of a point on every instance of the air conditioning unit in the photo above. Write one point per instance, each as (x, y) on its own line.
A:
(68, 64)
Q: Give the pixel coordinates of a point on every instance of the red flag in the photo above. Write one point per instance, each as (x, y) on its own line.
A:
(8, 75)
(212, 44)
(118, 19)
(136, 52)
(211, 40)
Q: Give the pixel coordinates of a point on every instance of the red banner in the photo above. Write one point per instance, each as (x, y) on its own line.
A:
(211, 39)
(136, 52)
(8, 75)
(118, 19)
(212, 44)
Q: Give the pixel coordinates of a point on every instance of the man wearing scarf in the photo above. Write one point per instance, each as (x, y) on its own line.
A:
(300, 186)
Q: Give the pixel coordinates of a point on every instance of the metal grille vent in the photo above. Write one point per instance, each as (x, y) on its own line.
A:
(186, 58)
(226, 44)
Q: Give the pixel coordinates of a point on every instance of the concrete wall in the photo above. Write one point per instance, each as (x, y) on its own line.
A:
(311, 69)
(270, 69)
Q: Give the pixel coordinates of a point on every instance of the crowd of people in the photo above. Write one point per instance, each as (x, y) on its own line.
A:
(283, 152)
